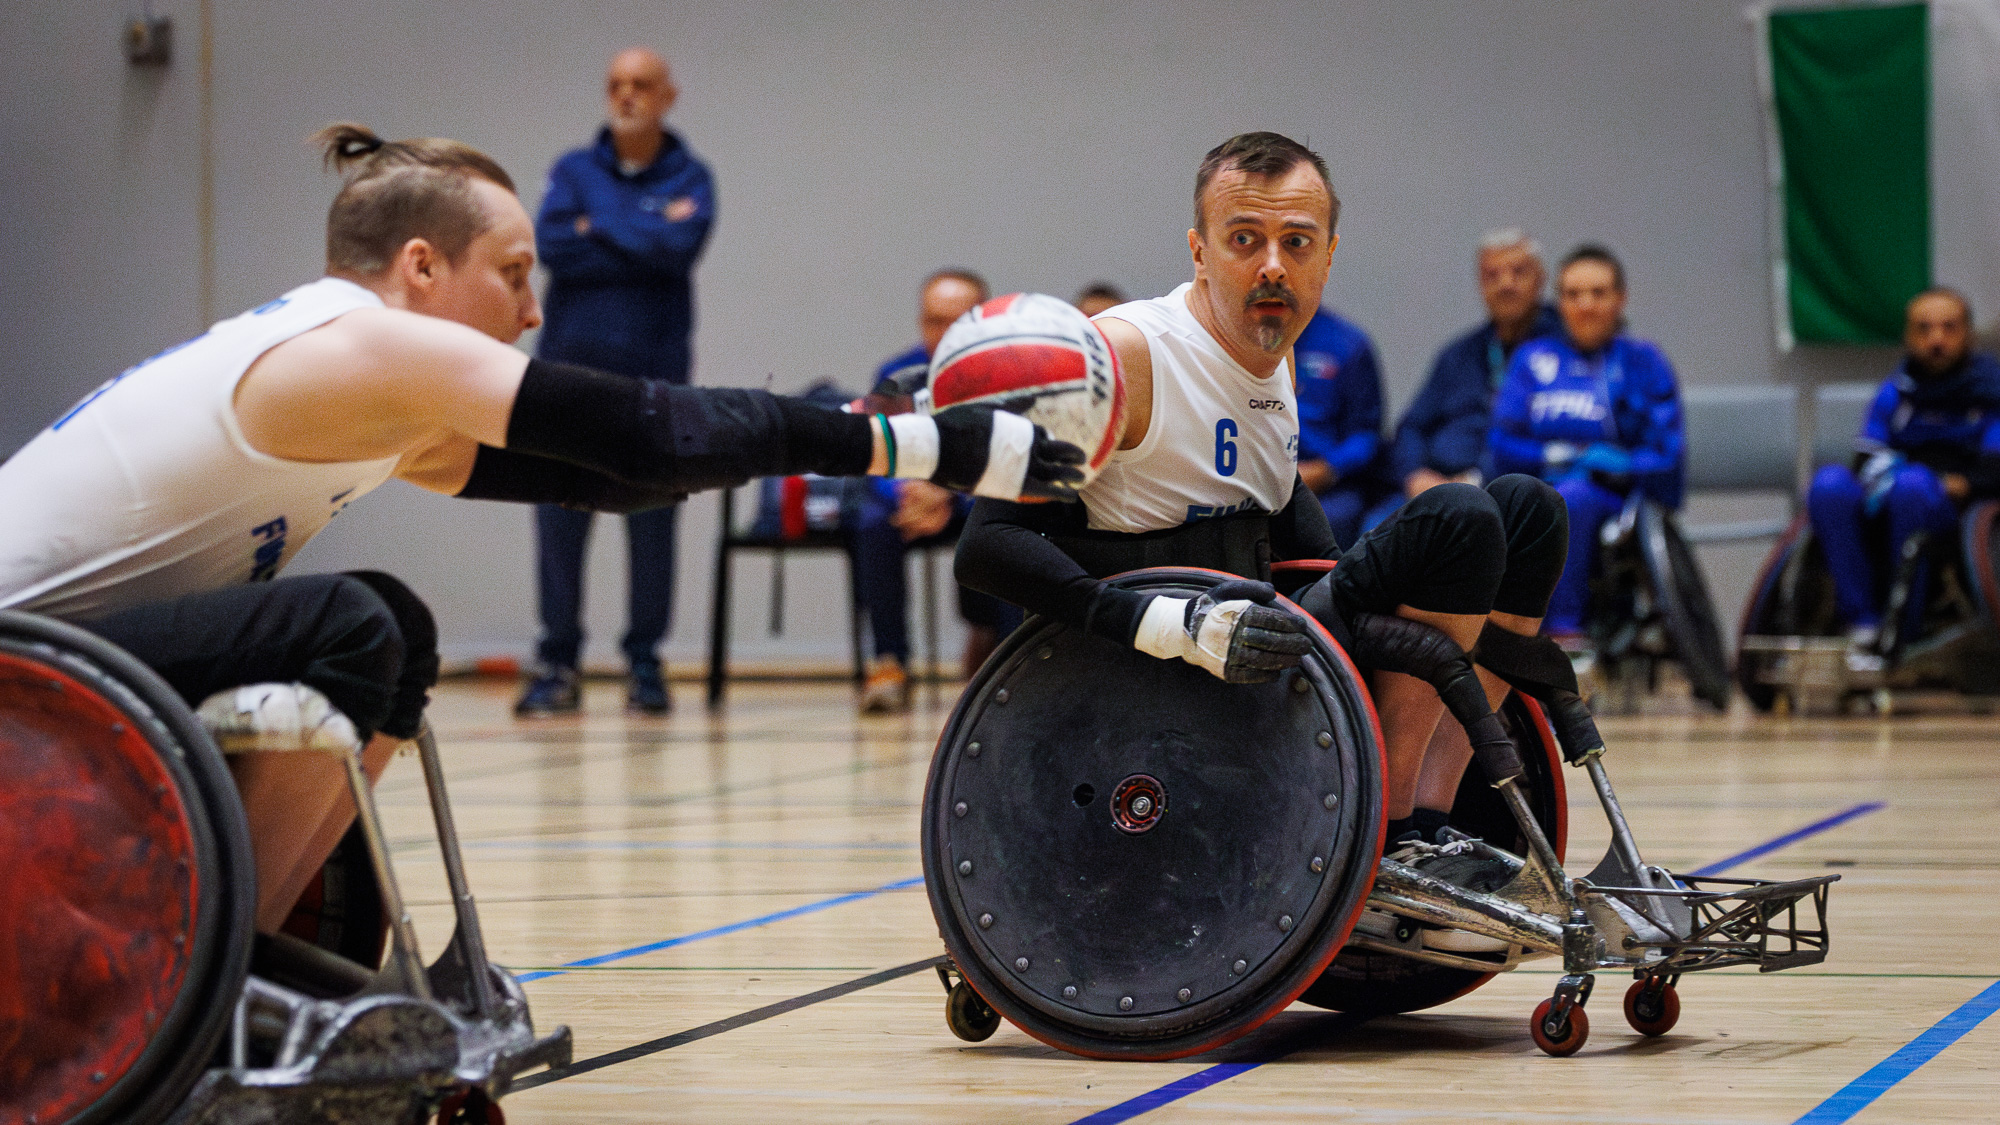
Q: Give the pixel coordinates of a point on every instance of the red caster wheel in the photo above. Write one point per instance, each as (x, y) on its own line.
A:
(1564, 1039)
(1652, 1011)
(470, 1107)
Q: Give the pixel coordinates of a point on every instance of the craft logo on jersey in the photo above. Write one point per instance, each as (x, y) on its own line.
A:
(1277, 404)
(270, 550)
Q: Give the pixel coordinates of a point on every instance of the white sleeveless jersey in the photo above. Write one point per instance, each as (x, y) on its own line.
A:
(147, 488)
(1220, 440)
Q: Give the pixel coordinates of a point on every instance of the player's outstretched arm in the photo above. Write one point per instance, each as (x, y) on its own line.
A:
(380, 383)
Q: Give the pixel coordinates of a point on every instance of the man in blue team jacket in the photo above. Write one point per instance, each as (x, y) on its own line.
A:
(1593, 411)
(621, 229)
(1930, 443)
(1340, 420)
(1442, 436)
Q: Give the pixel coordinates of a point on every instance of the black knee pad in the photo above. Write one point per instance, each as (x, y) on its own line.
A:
(418, 671)
(1444, 552)
(1535, 522)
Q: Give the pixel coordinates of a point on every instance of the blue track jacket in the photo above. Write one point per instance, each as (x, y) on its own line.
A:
(1625, 395)
(1340, 395)
(621, 297)
(1951, 424)
(1445, 427)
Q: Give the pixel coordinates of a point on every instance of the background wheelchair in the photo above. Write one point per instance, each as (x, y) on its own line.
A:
(126, 931)
(1648, 604)
(1792, 649)
(1128, 858)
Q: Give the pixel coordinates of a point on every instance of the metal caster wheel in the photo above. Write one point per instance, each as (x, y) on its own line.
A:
(470, 1107)
(1652, 1007)
(1559, 1035)
(968, 1016)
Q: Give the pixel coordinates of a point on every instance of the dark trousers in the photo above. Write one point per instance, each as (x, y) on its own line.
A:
(364, 640)
(561, 535)
(884, 585)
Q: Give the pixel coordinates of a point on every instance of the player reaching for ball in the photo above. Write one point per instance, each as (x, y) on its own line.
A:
(1205, 474)
(156, 510)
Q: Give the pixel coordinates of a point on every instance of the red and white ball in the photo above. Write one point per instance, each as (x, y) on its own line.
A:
(1039, 357)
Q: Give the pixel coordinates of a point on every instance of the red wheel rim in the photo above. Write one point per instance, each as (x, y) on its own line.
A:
(99, 913)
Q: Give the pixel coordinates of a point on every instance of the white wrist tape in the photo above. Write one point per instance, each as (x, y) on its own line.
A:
(1163, 633)
(1007, 457)
(1162, 629)
(916, 445)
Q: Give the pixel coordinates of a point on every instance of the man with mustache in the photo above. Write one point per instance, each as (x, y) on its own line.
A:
(1207, 475)
(1930, 444)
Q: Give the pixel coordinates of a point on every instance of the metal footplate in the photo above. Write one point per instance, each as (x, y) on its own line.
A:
(393, 1045)
(1697, 924)
(1773, 926)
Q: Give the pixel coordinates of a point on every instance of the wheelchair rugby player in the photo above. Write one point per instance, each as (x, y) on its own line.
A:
(146, 529)
(1888, 581)
(1160, 812)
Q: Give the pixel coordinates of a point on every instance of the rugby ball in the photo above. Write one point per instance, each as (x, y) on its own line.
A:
(1039, 357)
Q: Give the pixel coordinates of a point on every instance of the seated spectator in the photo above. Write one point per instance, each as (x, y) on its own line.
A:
(1930, 444)
(1442, 436)
(1593, 411)
(898, 515)
(1098, 296)
(1340, 420)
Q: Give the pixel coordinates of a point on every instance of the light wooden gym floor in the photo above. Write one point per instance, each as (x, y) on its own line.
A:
(764, 863)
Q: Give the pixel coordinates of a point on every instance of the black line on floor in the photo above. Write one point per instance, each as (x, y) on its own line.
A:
(744, 1019)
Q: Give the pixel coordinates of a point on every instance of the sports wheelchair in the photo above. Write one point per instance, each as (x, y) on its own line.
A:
(1130, 859)
(1792, 651)
(1649, 603)
(126, 930)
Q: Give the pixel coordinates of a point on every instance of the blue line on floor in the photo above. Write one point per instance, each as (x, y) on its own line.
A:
(1171, 1092)
(1203, 1079)
(733, 927)
(1789, 838)
(1858, 1094)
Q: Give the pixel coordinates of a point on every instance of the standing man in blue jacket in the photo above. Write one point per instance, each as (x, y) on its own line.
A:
(620, 231)
(1595, 412)
(1930, 444)
(1442, 436)
(1340, 420)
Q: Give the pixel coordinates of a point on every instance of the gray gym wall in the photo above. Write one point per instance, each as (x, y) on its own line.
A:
(856, 146)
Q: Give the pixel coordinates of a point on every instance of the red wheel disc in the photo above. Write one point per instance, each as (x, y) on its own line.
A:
(98, 910)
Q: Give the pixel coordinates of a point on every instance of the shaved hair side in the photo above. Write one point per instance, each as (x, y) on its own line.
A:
(1260, 154)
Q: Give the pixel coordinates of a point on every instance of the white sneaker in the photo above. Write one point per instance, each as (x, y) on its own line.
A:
(1861, 654)
(277, 717)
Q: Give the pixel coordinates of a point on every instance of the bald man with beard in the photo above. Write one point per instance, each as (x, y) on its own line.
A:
(620, 231)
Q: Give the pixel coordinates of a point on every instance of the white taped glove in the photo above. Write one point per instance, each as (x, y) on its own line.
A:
(990, 452)
(1232, 631)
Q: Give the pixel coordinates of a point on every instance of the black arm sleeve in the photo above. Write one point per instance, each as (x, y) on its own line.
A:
(1005, 551)
(507, 474)
(680, 439)
(1299, 530)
